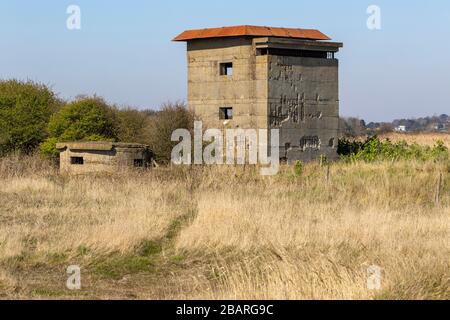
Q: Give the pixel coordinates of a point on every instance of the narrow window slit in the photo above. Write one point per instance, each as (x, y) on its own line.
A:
(77, 160)
(226, 69)
(226, 113)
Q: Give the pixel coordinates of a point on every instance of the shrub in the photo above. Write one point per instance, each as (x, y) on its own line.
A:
(440, 151)
(131, 125)
(160, 127)
(25, 109)
(85, 119)
(17, 164)
(298, 168)
(373, 149)
(348, 147)
(48, 148)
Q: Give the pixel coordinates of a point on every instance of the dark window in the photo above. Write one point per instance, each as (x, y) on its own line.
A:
(77, 160)
(226, 113)
(226, 69)
(312, 142)
(331, 143)
(138, 163)
(296, 53)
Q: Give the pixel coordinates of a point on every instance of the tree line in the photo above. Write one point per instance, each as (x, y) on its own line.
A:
(354, 127)
(33, 119)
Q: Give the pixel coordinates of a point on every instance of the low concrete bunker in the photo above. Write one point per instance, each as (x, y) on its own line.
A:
(93, 157)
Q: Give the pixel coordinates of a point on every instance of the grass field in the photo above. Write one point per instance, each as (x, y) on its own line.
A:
(419, 138)
(226, 233)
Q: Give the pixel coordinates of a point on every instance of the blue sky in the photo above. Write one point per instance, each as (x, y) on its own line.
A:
(124, 52)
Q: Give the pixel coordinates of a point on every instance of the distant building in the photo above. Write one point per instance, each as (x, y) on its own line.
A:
(400, 129)
(440, 127)
(252, 77)
(92, 157)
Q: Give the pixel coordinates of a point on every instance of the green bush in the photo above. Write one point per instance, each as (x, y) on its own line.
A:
(85, 119)
(298, 168)
(48, 148)
(440, 151)
(373, 149)
(25, 110)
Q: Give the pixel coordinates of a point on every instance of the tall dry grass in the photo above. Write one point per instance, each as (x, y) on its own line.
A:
(245, 236)
(428, 139)
(45, 216)
(309, 239)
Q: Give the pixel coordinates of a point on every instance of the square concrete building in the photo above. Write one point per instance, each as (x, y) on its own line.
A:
(108, 157)
(252, 77)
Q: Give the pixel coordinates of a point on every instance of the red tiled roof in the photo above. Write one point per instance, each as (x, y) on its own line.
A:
(252, 31)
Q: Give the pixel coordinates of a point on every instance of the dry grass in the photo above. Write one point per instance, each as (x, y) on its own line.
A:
(226, 233)
(307, 239)
(428, 139)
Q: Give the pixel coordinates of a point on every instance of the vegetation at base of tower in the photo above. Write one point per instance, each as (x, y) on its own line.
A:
(374, 149)
(298, 168)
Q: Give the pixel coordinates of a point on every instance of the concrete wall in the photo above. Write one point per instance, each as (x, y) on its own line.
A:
(304, 105)
(245, 91)
(94, 161)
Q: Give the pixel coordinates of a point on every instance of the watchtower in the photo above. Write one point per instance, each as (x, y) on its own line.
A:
(252, 77)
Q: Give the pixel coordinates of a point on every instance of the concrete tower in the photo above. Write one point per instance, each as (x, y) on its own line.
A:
(267, 78)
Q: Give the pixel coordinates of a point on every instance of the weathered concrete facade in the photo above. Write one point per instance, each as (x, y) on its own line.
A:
(246, 90)
(253, 82)
(92, 157)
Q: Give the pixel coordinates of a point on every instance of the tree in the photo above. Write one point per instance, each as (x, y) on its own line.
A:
(385, 128)
(85, 119)
(25, 110)
(131, 125)
(352, 127)
(158, 132)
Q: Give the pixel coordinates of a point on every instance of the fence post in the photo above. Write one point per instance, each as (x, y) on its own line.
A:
(437, 199)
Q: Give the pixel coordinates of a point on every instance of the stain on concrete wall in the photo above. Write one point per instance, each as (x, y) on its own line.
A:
(304, 105)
